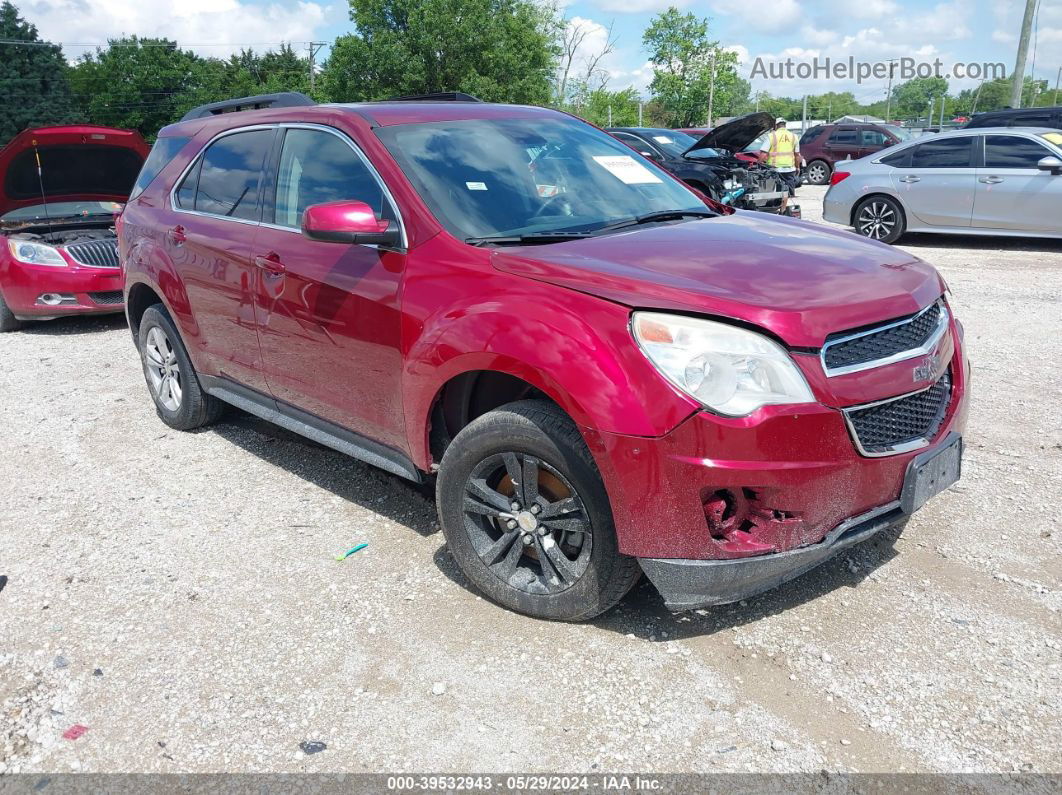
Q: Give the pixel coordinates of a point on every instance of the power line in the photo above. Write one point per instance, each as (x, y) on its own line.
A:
(20, 42)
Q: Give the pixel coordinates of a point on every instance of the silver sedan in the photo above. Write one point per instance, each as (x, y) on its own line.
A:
(987, 181)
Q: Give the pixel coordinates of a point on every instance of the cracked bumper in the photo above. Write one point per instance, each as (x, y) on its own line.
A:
(691, 584)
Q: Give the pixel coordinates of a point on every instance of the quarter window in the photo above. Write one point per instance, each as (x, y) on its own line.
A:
(225, 181)
(318, 167)
(943, 153)
(1010, 151)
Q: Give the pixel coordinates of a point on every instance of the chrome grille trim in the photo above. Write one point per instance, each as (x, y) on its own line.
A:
(926, 347)
(101, 253)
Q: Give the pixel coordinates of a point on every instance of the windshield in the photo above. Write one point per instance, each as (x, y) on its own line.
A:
(61, 210)
(673, 142)
(505, 177)
(900, 133)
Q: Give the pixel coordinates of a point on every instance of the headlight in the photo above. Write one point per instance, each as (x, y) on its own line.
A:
(730, 370)
(35, 253)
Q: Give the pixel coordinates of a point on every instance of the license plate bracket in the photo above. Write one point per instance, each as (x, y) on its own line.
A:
(931, 473)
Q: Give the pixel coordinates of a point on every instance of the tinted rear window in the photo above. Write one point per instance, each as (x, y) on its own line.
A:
(943, 153)
(72, 170)
(1010, 151)
(812, 134)
(164, 150)
(844, 137)
(225, 180)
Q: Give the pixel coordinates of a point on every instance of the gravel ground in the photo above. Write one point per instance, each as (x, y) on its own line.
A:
(178, 595)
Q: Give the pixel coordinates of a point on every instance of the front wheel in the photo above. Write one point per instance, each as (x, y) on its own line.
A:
(526, 516)
(8, 321)
(880, 218)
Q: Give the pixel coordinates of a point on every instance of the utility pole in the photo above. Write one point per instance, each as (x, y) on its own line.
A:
(977, 96)
(1057, 81)
(640, 114)
(932, 105)
(609, 115)
(944, 97)
(1023, 52)
(711, 91)
(888, 96)
(804, 116)
(314, 47)
(829, 112)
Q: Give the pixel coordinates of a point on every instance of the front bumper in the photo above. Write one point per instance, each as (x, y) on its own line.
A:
(691, 584)
(94, 290)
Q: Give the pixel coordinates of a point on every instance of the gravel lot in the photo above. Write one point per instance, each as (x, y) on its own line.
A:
(178, 594)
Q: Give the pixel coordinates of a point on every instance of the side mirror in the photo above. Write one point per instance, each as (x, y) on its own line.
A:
(1052, 164)
(348, 222)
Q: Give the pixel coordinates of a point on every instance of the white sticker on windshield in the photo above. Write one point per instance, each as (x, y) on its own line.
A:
(662, 139)
(476, 185)
(626, 169)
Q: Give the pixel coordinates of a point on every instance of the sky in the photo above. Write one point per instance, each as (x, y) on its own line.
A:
(868, 30)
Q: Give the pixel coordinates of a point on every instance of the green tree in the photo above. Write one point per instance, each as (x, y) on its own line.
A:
(498, 50)
(141, 84)
(911, 99)
(685, 59)
(995, 95)
(33, 84)
(594, 107)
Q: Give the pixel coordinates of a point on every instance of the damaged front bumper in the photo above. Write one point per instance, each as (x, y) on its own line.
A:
(691, 584)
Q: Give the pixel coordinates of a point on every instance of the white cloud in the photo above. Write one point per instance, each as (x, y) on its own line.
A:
(210, 27)
(871, 9)
(639, 6)
(782, 16)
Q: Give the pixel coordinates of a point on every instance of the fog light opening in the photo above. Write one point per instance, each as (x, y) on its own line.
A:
(56, 299)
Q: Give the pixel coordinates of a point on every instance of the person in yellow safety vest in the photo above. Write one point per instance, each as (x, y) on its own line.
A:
(781, 151)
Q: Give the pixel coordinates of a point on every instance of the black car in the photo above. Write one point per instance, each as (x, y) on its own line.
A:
(709, 163)
(1023, 117)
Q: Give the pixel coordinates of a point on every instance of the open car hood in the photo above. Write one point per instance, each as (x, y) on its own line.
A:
(735, 135)
(800, 280)
(78, 163)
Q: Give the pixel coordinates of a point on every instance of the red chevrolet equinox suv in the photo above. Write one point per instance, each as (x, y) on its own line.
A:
(605, 374)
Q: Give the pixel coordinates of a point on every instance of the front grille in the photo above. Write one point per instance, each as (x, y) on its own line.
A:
(95, 253)
(903, 423)
(846, 352)
(107, 299)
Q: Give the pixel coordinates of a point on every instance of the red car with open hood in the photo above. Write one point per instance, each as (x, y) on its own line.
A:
(60, 191)
(603, 373)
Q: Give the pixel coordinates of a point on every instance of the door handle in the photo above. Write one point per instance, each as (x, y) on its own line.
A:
(177, 235)
(270, 263)
(990, 180)
(910, 178)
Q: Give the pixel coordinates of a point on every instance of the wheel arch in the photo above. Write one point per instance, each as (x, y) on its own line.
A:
(874, 195)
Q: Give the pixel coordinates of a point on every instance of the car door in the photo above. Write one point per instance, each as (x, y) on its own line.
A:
(1012, 193)
(215, 213)
(842, 144)
(936, 186)
(872, 140)
(328, 313)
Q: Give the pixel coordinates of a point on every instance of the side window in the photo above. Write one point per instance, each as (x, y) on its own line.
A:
(812, 134)
(943, 153)
(161, 154)
(844, 136)
(874, 138)
(898, 159)
(318, 167)
(1031, 120)
(226, 178)
(1010, 151)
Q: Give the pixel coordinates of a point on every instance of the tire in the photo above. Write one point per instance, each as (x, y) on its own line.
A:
(476, 483)
(879, 218)
(8, 321)
(818, 172)
(172, 382)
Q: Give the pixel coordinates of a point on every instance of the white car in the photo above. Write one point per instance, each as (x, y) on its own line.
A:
(985, 181)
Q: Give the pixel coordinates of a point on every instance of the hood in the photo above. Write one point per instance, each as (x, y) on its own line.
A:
(794, 278)
(737, 134)
(78, 163)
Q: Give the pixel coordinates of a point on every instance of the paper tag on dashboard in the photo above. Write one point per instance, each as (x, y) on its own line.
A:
(662, 139)
(626, 169)
(476, 185)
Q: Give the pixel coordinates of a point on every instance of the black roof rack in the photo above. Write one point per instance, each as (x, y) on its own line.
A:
(441, 96)
(287, 99)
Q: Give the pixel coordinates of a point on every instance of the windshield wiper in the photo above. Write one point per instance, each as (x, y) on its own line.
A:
(528, 239)
(652, 218)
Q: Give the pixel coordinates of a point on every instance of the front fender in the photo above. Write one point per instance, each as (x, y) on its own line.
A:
(575, 348)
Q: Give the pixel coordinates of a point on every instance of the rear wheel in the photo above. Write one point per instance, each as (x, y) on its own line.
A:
(526, 516)
(179, 399)
(8, 321)
(818, 172)
(880, 218)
